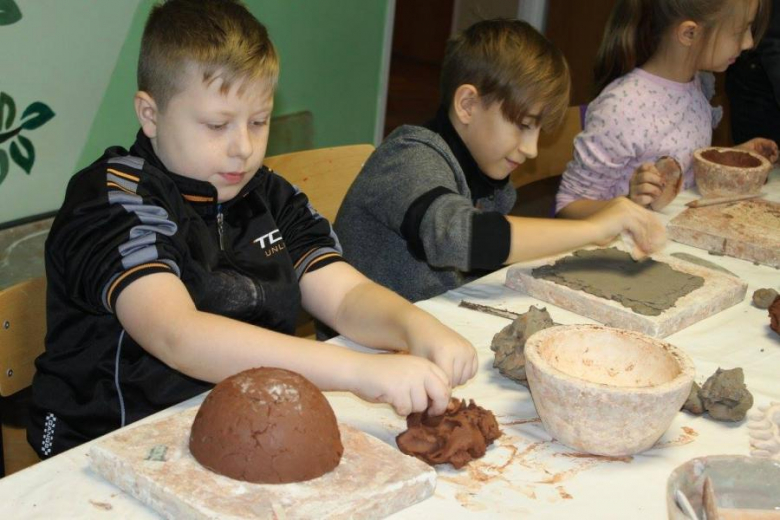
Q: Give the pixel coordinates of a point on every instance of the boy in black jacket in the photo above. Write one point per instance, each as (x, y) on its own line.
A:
(183, 260)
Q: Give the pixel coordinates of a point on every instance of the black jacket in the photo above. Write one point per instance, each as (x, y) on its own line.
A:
(126, 216)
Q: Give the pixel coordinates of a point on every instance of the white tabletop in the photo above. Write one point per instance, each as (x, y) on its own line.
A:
(524, 473)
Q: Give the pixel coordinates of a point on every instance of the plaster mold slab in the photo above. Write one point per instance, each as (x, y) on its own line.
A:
(748, 229)
(764, 430)
(718, 292)
(606, 391)
(152, 462)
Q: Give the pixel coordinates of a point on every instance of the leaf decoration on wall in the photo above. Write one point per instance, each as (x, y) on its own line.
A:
(3, 165)
(24, 160)
(22, 150)
(9, 13)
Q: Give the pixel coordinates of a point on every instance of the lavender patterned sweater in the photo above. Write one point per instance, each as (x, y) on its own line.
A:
(637, 118)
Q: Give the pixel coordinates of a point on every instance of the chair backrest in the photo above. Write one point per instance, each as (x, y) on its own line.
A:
(324, 174)
(22, 333)
(555, 150)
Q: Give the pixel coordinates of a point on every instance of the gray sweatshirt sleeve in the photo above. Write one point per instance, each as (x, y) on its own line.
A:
(414, 185)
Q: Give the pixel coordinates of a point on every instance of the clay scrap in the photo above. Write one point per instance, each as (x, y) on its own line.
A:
(648, 287)
(774, 315)
(459, 436)
(764, 430)
(724, 396)
(509, 343)
(763, 298)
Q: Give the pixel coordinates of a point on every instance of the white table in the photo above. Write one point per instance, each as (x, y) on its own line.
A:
(525, 473)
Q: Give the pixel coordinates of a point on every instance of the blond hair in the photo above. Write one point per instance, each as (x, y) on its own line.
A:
(635, 28)
(508, 61)
(221, 37)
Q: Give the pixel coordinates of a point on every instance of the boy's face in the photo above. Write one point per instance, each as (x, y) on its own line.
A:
(498, 145)
(209, 136)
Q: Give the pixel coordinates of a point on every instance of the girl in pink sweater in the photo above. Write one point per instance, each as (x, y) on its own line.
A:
(651, 102)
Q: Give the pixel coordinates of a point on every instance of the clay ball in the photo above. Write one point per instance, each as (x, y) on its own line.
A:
(266, 426)
(763, 298)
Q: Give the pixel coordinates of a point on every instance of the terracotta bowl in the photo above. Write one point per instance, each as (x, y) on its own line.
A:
(739, 482)
(606, 391)
(721, 172)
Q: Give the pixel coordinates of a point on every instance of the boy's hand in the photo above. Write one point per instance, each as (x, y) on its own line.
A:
(408, 383)
(622, 215)
(762, 146)
(645, 185)
(447, 349)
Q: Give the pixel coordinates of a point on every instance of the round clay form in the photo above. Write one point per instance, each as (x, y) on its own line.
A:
(672, 179)
(268, 426)
(722, 172)
(606, 391)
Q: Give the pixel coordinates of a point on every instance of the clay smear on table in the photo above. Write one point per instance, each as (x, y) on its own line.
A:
(647, 287)
(764, 430)
(536, 470)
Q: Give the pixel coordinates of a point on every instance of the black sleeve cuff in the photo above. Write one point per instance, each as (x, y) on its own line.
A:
(491, 236)
(118, 283)
(410, 227)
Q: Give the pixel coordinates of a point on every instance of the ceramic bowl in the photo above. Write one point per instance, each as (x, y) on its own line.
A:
(606, 391)
(739, 482)
(722, 172)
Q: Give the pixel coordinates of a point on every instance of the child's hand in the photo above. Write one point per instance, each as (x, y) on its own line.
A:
(449, 350)
(762, 146)
(408, 383)
(622, 215)
(645, 185)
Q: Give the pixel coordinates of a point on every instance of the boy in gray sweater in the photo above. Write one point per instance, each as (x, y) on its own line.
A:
(428, 212)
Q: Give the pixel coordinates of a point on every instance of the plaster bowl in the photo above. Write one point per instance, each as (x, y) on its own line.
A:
(606, 391)
(739, 482)
(722, 172)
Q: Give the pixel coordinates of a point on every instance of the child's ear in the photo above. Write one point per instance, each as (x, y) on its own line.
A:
(688, 32)
(146, 110)
(464, 101)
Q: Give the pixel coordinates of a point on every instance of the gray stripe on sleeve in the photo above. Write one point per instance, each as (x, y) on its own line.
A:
(126, 184)
(312, 257)
(128, 160)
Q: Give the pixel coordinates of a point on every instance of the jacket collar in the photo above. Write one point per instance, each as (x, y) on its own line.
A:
(480, 185)
(201, 195)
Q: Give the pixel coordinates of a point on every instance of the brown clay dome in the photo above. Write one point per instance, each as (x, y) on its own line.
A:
(266, 426)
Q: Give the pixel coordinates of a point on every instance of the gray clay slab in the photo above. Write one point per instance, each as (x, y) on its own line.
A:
(719, 291)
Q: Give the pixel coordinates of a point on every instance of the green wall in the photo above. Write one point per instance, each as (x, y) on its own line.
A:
(79, 57)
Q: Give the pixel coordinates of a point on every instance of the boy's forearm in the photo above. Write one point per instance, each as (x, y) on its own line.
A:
(582, 208)
(379, 318)
(535, 238)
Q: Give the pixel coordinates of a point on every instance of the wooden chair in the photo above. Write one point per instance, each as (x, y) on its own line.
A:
(538, 179)
(324, 175)
(22, 332)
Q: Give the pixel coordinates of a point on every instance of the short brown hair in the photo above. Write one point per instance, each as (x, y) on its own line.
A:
(508, 61)
(221, 37)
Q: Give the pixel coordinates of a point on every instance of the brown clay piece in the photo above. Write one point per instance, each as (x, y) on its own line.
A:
(459, 436)
(774, 315)
(672, 180)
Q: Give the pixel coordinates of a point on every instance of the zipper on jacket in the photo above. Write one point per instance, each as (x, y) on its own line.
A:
(220, 227)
